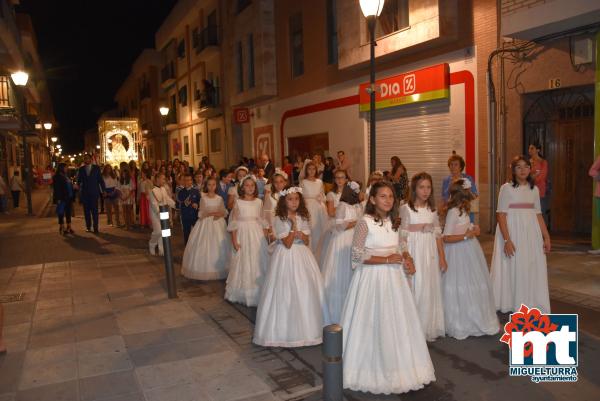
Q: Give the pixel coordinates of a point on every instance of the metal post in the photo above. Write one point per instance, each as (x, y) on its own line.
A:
(166, 239)
(333, 378)
(26, 155)
(372, 159)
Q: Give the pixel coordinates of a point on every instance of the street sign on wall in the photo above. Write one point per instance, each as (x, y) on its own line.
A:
(429, 83)
(241, 115)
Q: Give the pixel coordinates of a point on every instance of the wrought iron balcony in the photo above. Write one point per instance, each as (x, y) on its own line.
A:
(208, 37)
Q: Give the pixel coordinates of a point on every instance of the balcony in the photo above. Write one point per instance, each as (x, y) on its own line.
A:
(209, 103)
(208, 41)
(170, 119)
(167, 75)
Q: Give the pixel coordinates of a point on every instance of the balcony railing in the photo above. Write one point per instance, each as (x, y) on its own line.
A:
(171, 118)
(210, 98)
(209, 36)
(167, 72)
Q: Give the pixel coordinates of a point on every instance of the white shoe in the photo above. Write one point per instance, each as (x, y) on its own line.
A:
(152, 251)
(594, 251)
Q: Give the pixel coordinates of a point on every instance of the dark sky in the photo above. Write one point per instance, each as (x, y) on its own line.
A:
(87, 48)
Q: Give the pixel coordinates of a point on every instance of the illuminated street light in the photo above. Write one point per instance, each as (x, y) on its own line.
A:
(38, 126)
(163, 111)
(59, 146)
(48, 126)
(97, 146)
(20, 78)
(54, 139)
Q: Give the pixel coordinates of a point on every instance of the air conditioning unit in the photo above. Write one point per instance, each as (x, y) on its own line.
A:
(583, 51)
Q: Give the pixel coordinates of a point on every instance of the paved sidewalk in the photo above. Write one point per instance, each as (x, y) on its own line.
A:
(103, 329)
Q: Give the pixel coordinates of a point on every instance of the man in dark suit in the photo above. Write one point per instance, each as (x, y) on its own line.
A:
(225, 177)
(91, 187)
(267, 165)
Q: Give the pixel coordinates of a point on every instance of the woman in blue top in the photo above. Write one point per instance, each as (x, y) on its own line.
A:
(456, 165)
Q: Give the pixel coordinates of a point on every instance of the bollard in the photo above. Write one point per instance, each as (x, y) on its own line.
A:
(332, 363)
(166, 239)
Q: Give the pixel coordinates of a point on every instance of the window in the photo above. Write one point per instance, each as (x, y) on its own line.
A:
(394, 17)
(215, 140)
(4, 91)
(172, 116)
(199, 143)
(241, 5)
(195, 38)
(183, 96)
(181, 49)
(250, 61)
(332, 40)
(186, 145)
(296, 45)
(239, 67)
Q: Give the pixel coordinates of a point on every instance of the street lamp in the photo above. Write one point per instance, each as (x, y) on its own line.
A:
(20, 79)
(54, 139)
(371, 9)
(164, 111)
(48, 126)
(59, 146)
(97, 146)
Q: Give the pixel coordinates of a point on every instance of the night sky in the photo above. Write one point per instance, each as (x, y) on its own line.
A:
(87, 48)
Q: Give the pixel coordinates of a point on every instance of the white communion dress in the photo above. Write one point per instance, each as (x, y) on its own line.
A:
(337, 265)
(247, 267)
(467, 293)
(314, 196)
(292, 309)
(420, 230)
(208, 250)
(522, 278)
(333, 197)
(384, 347)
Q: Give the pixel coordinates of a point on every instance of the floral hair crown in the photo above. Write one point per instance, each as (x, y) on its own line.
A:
(354, 186)
(280, 172)
(248, 177)
(290, 190)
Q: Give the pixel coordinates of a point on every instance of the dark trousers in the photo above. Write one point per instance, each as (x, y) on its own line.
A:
(90, 211)
(16, 195)
(188, 224)
(67, 213)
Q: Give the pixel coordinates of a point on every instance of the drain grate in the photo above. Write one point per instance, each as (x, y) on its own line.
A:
(7, 298)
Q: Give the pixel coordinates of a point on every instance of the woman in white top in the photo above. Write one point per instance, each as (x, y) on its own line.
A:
(278, 182)
(158, 197)
(331, 203)
(519, 271)
(111, 201)
(384, 346)
(314, 196)
(208, 249)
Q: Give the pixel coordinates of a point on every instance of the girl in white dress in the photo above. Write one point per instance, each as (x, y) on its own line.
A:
(249, 257)
(384, 349)
(277, 184)
(292, 309)
(422, 234)
(208, 249)
(467, 293)
(337, 271)
(312, 190)
(158, 197)
(232, 193)
(332, 201)
(519, 271)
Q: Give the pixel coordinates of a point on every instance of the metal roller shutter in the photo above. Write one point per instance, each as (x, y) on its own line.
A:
(421, 136)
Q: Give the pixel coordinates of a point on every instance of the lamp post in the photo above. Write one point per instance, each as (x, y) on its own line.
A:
(164, 112)
(371, 9)
(20, 79)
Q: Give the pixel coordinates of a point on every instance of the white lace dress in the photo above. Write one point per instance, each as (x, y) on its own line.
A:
(467, 293)
(329, 227)
(314, 196)
(292, 309)
(206, 255)
(337, 268)
(522, 278)
(248, 266)
(420, 230)
(384, 350)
